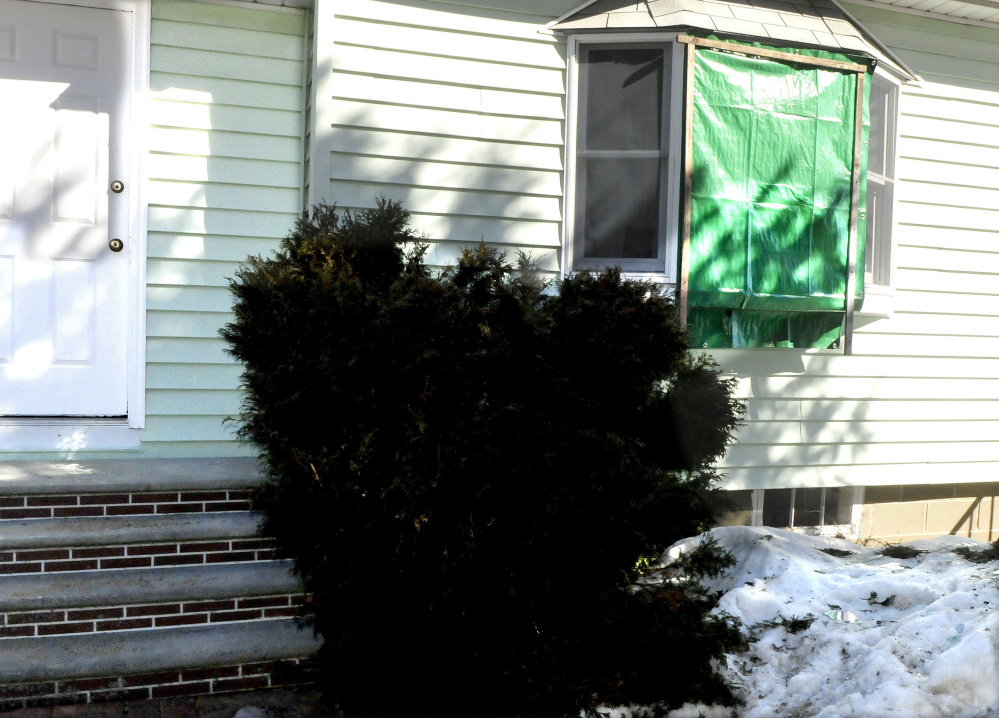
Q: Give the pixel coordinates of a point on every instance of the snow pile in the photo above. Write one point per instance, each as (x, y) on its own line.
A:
(859, 635)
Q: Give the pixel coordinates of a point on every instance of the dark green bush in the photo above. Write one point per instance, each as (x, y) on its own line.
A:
(467, 470)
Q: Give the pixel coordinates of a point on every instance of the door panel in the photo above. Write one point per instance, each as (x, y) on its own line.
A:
(64, 77)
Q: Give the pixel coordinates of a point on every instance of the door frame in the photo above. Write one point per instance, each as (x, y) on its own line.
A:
(71, 434)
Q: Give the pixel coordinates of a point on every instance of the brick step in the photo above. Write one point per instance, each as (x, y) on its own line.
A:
(146, 664)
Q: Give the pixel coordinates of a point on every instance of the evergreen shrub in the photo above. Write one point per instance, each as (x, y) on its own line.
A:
(468, 469)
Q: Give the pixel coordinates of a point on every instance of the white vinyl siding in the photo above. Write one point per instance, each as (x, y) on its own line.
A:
(225, 166)
(919, 401)
(457, 112)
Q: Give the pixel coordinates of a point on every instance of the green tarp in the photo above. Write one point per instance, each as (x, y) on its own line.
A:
(770, 201)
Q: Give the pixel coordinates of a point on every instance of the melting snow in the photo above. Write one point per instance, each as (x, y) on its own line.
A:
(931, 652)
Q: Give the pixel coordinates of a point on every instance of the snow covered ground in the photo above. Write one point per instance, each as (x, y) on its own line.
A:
(928, 652)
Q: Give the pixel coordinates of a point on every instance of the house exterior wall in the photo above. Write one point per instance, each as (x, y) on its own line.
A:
(225, 166)
(919, 401)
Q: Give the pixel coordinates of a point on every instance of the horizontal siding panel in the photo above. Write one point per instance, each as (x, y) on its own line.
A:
(219, 222)
(854, 432)
(236, 41)
(853, 454)
(789, 362)
(956, 130)
(446, 70)
(952, 239)
(447, 253)
(196, 116)
(442, 122)
(191, 273)
(847, 410)
(193, 403)
(181, 61)
(220, 196)
(926, 346)
(947, 260)
(196, 449)
(179, 324)
(186, 375)
(950, 90)
(226, 249)
(935, 325)
(165, 85)
(951, 108)
(440, 15)
(948, 66)
(186, 351)
(912, 38)
(448, 42)
(946, 302)
(404, 145)
(949, 196)
(229, 17)
(947, 173)
(805, 475)
(228, 170)
(447, 97)
(202, 143)
(959, 282)
(189, 299)
(449, 176)
(439, 201)
(818, 387)
(939, 150)
(188, 428)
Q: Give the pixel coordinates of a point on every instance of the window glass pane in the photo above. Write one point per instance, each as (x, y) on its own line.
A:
(808, 507)
(877, 251)
(839, 506)
(777, 507)
(738, 508)
(881, 145)
(622, 208)
(624, 99)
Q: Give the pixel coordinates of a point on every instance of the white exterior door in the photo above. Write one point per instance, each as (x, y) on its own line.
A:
(64, 108)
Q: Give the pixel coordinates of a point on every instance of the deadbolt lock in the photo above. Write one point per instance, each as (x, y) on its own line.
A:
(117, 186)
(116, 245)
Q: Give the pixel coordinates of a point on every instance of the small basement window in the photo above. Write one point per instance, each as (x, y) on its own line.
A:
(808, 508)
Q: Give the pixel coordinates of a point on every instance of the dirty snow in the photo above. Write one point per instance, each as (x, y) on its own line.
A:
(929, 652)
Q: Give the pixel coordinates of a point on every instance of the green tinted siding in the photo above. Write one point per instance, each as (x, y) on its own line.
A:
(225, 166)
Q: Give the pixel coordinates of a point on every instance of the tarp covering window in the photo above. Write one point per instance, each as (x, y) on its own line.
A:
(772, 162)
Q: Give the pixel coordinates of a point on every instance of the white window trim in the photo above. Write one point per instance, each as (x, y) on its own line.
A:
(673, 164)
(76, 433)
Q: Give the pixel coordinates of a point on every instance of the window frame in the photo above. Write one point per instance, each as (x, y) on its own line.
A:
(662, 269)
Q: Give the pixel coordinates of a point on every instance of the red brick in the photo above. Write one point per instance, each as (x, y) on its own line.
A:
(182, 689)
(88, 684)
(25, 513)
(241, 684)
(64, 699)
(253, 668)
(240, 495)
(218, 616)
(99, 552)
(154, 497)
(16, 631)
(90, 614)
(46, 554)
(149, 549)
(227, 506)
(151, 679)
(193, 606)
(263, 602)
(184, 620)
(247, 544)
(23, 690)
(134, 562)
(52, 629)
(104, 499)
(74, 511)
(265, 554)
(203, 546)
(6, 556)
(20, 568)
(129, 510)
(130, 694)
(229, 556)
(203, 496)
(88, 565)
(35, 617)
(9, 502)
(179, 508)
(281, 612)
(181, 560)
(201, 674)
(158, 609)
(52, 501)
(125, 625)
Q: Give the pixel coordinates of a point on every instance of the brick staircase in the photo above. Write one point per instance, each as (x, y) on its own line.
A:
(140, 579)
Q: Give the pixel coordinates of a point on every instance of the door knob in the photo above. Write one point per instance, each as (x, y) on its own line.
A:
(116, 245)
